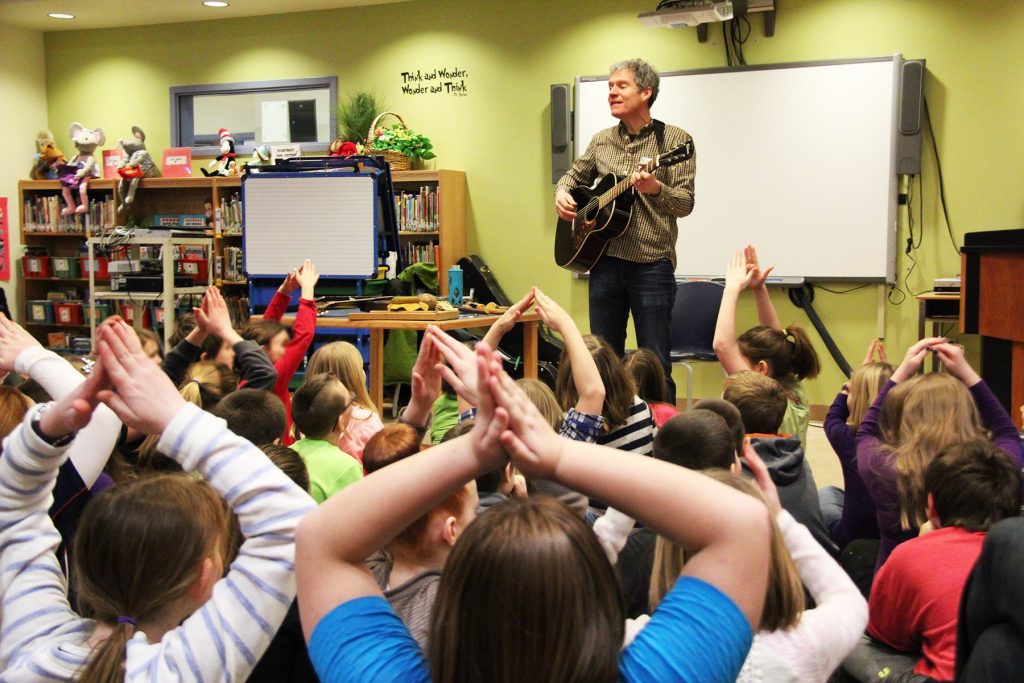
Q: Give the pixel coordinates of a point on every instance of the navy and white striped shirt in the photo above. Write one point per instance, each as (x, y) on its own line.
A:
(41, 638)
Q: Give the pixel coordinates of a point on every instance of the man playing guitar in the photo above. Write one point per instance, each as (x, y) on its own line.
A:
(637, 272)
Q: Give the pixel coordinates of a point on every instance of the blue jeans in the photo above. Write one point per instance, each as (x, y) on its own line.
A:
(831, 499)
(648, 290)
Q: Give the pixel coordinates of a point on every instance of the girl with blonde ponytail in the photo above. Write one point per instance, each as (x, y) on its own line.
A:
(785, 355)
(204, 385)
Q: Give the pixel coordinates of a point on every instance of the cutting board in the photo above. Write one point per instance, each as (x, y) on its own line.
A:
(405, 315)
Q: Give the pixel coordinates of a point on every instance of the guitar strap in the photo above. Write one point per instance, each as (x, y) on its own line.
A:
(659, 135)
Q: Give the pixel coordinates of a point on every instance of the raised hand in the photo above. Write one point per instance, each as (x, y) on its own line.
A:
(534, 447)
(144, 397)
(215, 318)
(952, 358)
(307, 278)
(291, 282)
(74, 411)
(553, 315)
(13, 340)
(461, 371)
(508, 320)
(491, 420)
(761, 476)
(915, 357)
(757, 275)
(737, 275)
(876, 348)
(426, 382)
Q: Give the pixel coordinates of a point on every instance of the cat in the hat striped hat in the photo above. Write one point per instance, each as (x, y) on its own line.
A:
(223, 163)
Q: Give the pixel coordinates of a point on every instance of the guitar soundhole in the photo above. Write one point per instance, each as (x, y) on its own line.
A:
(586, 218)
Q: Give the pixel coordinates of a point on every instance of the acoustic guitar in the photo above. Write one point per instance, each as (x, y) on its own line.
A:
(603, 211)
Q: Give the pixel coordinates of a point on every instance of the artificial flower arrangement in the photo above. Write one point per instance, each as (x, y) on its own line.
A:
(398, 138)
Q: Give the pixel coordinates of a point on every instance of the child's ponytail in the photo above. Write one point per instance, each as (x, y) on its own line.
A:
(787, 352)
(804, 359)
(108, 659)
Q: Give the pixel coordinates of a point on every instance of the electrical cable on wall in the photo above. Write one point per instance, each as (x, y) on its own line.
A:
(938, 168)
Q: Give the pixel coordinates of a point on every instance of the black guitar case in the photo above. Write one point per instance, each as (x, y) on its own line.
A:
(478, 278)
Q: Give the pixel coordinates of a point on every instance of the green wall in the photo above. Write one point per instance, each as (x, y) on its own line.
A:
(22, 115)
(499, 135)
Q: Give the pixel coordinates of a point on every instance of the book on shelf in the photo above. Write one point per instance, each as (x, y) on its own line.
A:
(231, 214)
(232, 266)
(42, 214)
(418, 212)
(421, 252)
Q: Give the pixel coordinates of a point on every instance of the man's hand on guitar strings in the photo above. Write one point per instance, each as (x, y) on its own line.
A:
(565, 205)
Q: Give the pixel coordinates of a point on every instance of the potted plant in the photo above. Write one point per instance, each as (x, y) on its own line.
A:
(356, 114)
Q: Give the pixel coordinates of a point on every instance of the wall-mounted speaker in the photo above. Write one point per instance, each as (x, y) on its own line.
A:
(561, 131)
(909, 129)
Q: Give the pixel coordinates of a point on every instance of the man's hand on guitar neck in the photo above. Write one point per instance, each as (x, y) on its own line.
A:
(565, 205)
(645, 183)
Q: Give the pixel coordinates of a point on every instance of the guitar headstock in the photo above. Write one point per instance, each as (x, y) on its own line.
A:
(681, 153)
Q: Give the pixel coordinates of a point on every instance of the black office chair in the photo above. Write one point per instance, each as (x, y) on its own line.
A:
(694, 315)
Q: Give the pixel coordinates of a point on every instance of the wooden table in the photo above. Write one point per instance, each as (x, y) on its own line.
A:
(464, 321)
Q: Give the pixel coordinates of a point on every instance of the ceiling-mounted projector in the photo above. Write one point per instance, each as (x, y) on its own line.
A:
(688, 14)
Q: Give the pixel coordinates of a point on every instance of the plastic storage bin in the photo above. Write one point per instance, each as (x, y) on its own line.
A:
(67, 312)
(40, 311)
(102, 269)
(196, 267)
(36, 266)
(66, 266)
(101, 310)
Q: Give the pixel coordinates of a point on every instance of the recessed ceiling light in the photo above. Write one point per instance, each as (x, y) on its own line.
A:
(61, 15)
(215, 3)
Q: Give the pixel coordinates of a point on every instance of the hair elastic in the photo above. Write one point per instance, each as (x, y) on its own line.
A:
(197, 382)
(128, 620)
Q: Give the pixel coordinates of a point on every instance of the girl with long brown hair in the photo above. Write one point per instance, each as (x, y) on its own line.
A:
(911, 420)
(151, 553)
(527, 594)
(784, 354)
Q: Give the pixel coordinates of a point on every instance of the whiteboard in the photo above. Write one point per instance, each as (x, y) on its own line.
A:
(329, 218)
(797, 159)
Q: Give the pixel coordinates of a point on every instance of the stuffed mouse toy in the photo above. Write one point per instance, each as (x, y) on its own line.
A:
(138, 164)
(47, 157)
(75, 174)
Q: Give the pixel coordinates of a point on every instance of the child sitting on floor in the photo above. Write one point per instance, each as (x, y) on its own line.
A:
(362, 420)
(319, 410)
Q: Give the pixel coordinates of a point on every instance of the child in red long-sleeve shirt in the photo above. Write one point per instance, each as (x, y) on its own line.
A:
(286, 348)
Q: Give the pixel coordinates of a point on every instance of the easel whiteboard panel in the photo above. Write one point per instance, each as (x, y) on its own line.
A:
(797, 159)
(330, 219)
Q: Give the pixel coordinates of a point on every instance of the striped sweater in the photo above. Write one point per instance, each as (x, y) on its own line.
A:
(42, 639)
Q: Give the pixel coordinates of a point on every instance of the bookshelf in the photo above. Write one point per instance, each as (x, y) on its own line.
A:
(441, 219)
(445, 236)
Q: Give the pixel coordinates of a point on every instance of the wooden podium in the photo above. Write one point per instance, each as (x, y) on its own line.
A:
(992, 305)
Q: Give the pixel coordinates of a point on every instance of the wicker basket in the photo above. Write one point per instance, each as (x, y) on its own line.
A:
(397, 160)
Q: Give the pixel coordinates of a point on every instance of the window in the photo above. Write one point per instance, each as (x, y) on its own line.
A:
(300, 111)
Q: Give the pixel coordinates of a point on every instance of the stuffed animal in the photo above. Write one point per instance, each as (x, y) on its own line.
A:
(138, 164)
(47, 156)
(260, 158)
(75, 174)
(341, 148)
(223, 163)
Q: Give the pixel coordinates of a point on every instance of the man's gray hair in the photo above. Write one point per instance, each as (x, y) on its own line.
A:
(643, 74)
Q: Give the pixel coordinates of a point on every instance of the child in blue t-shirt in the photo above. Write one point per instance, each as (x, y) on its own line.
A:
(527, 592)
